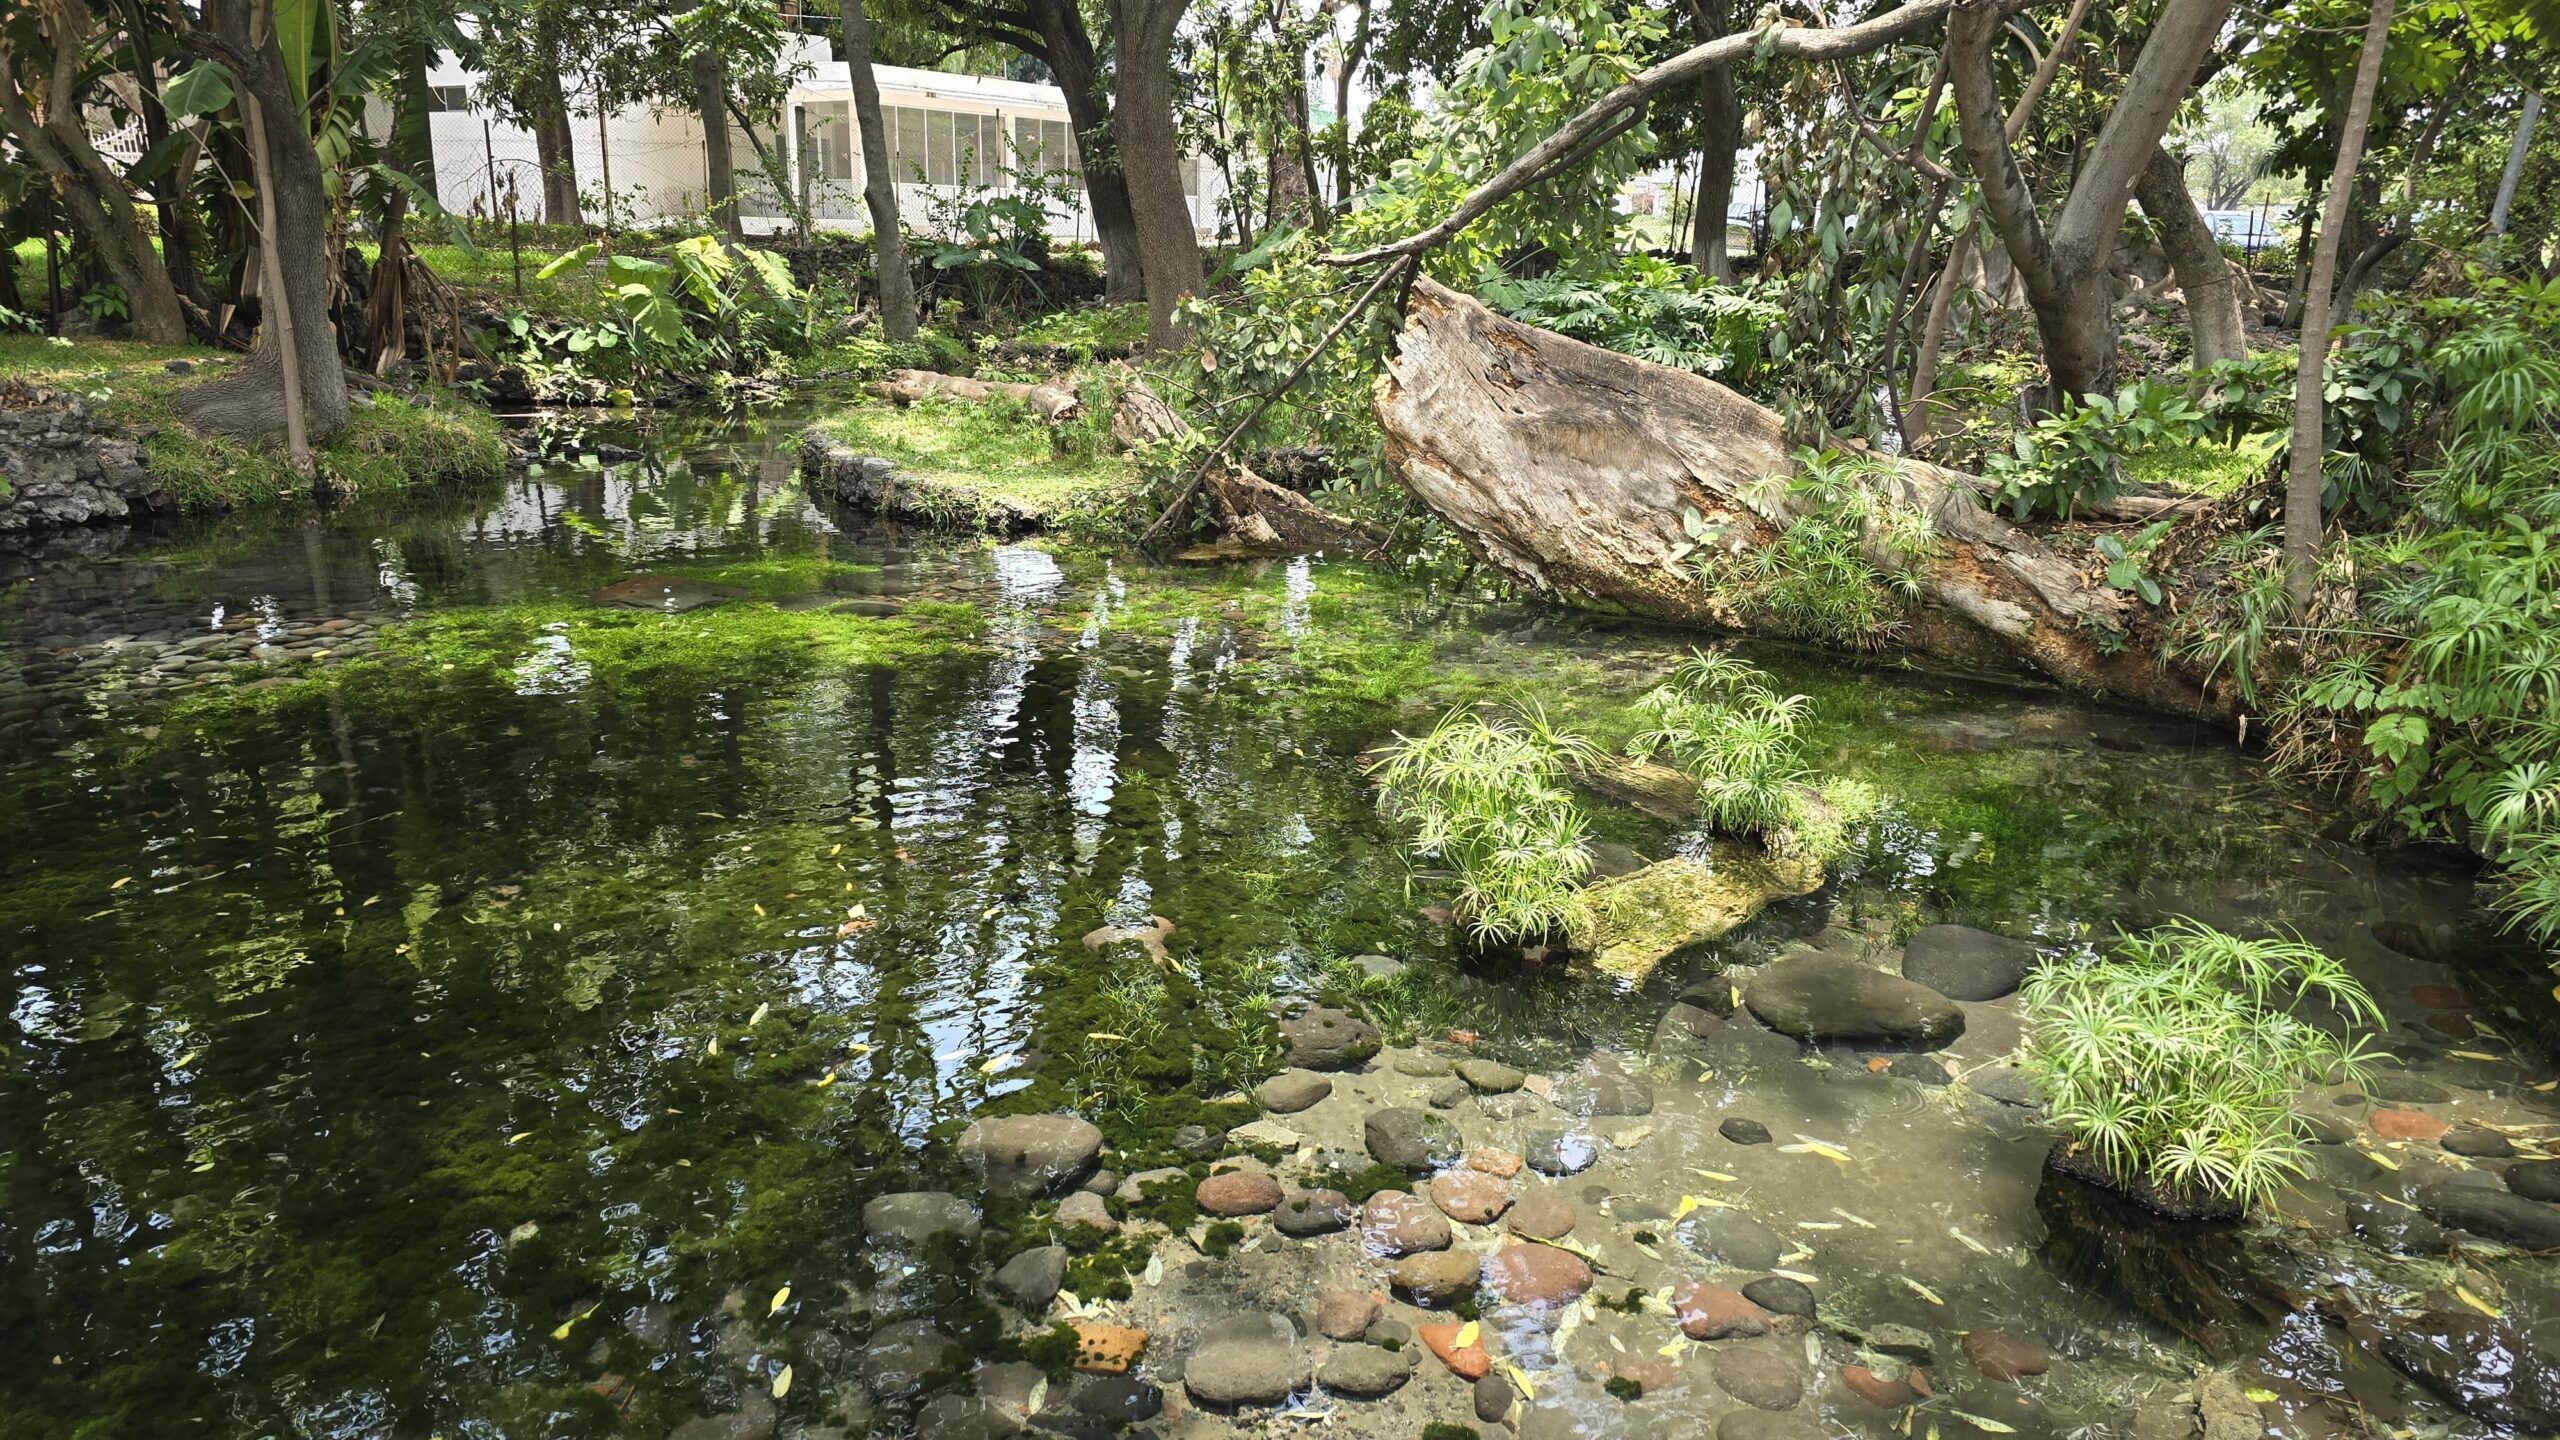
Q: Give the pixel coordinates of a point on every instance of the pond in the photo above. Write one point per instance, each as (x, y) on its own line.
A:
(473, 969)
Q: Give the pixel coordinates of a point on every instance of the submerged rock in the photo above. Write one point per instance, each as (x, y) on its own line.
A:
(1365, 1370)
(1303, 1213)
(1031, 1279)
(2500, 1371)
(1825, 997)
(1780, 1296)
(2000, 1355)
(1395, 1222)
(1021, 1157)
(2535, 1179)
(1604, 1086)
(1713, 1312)
(1759, 1376)
(1346, 1314)
(915, 1217)
(1672, 904)
(1437, 1278)
(666, 594)
(2495, 1214)
(1560, 1152)
(1291, 1091)
(1411, 1140)
(897, 1358)
(1321, 1037)
(1250, 1360)
(1744, 1132)
(1238, 1192)
(1963, 963)
(1734, 1238)
(1542, 1214)
(1526, 1273)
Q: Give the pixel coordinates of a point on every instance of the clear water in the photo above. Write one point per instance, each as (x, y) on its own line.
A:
(472, 1039)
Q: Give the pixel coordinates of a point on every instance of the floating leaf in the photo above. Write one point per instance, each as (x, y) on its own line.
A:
(826, 1080)
(127, 880)
(782, 1382)
(1992, 1426)
(2381, 1160)
(758, 1018)
(1860, 1221)
(2259, 1395)
(2474, 1055)
(759, 911)
(1001, 1062)
(1467, 1334)
(1923, 1291)
(1976, 1246)
(2464, 1295)
(519, 1137)
(712, 1049)
(1807, 1145)
(1719, 1175)
(781, 1298)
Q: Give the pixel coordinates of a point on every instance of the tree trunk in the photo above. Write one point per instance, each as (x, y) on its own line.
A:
(171, 189)
(1572, 470)
(2068, 269)
(719, 173)
(1150, 158)
(879, 187)
(250, 401)
(92, 197)
(555, 147)
(1719, 138)
(2302, 467)
(1072, 62)
(2204, 272)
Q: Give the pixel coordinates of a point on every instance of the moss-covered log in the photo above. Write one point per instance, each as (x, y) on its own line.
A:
(1599, 479)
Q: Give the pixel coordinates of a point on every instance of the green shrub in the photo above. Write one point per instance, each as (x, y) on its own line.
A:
(1816, 581)
(1719, 720)
(1652, 309)
(1490, 795)
(2175, 1060)
(2074, 456)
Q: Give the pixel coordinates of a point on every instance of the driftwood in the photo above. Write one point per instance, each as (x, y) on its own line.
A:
(1570, 469)
(1256, 514)
(1053, 402)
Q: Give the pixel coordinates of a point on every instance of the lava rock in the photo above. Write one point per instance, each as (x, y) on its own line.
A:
(1826, 997)
(1413, 1141)
(2513, 1218)
(1021, 1157)
(1291, 1091)
(1305, 1213)
(1963, 963)
(1321, 1037)
(1744, 1132)
(915, 1218)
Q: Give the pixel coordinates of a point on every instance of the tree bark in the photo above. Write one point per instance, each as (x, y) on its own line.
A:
(1067, 49)
(2067, 269)
(2204, 273)
(879, 187)
(555, 146)
(93, 198)
(1571, 469)
(1719, 139)
(719, 171)
(250, 401)
(1150, 159)
(2302, 468)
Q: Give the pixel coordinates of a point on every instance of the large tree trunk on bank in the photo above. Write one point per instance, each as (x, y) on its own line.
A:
(1068, 52)
(879, 188)
(555, 146)
(250, 401)
(1151, 157)
(1569, 469)
(719, 172)
(1719, 140)
(2204, 272)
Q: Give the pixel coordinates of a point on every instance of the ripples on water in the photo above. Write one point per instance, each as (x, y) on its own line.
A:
(379, 1059)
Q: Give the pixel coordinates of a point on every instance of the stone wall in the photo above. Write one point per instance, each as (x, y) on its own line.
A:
(62, 465)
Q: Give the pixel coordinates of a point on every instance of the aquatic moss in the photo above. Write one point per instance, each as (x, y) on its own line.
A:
(984, 455)
(1449, 1430)
(1053, 1350)
(1622, 1388)
(1221, 1237)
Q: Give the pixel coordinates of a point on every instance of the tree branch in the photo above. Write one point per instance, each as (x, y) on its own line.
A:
(1576, 135)
(2140, 118)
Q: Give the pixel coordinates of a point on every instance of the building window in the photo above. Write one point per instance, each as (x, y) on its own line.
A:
(448, 97)
(826, 141)
(944, 147)
(1045, 147)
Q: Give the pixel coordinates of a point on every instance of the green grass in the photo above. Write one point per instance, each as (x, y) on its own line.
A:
(2205, 469)
(1088, 330)
(387, 445)
(997, 449)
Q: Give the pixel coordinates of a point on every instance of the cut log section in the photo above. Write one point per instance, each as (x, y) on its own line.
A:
(1570, 469)
(1258, 516)
(1053, 402)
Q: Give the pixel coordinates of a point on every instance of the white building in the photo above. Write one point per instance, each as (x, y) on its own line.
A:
(951, 138)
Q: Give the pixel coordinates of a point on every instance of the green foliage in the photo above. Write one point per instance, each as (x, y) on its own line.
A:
(2176, 1059)
(1490, 795)
(2075, 455)
(1652, 309)
(994, 451)
(1086, 333)
(702, 304)
(2124, 560)
(1722, 722)
(1817, 580)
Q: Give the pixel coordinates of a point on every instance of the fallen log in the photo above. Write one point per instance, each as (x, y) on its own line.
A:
(1258, 516)
(1053, 402)
(1596, 478)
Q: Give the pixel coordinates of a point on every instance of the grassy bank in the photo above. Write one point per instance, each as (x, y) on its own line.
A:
(389, 443)
(996, 454)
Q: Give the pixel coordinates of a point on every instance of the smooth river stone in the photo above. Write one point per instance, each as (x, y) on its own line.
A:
(1826, 997)
(1963, 963)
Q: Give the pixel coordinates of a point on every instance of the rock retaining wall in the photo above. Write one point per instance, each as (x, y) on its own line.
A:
(64, 466)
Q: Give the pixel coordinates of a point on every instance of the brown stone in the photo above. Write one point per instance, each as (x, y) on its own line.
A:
(1543, 1215)
(1867, 1385)
(2406, 1125)
(1471, 1196)
(1530, 1274)
(1346, 1314)
(1470, 1363)
(1107, 1349)
(1239, 1192)
(1501, 1164)
(1437, 1278)
(2439, 997)
(1647, 1375)
(2000, 1355)
(1712, 1312)
(1397, 1222)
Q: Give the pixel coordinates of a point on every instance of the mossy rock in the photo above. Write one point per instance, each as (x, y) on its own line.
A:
(1641, 919)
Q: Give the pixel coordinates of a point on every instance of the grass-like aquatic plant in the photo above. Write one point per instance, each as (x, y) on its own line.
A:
(1490, 794)
(2176, 1059)
(1718, 719)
